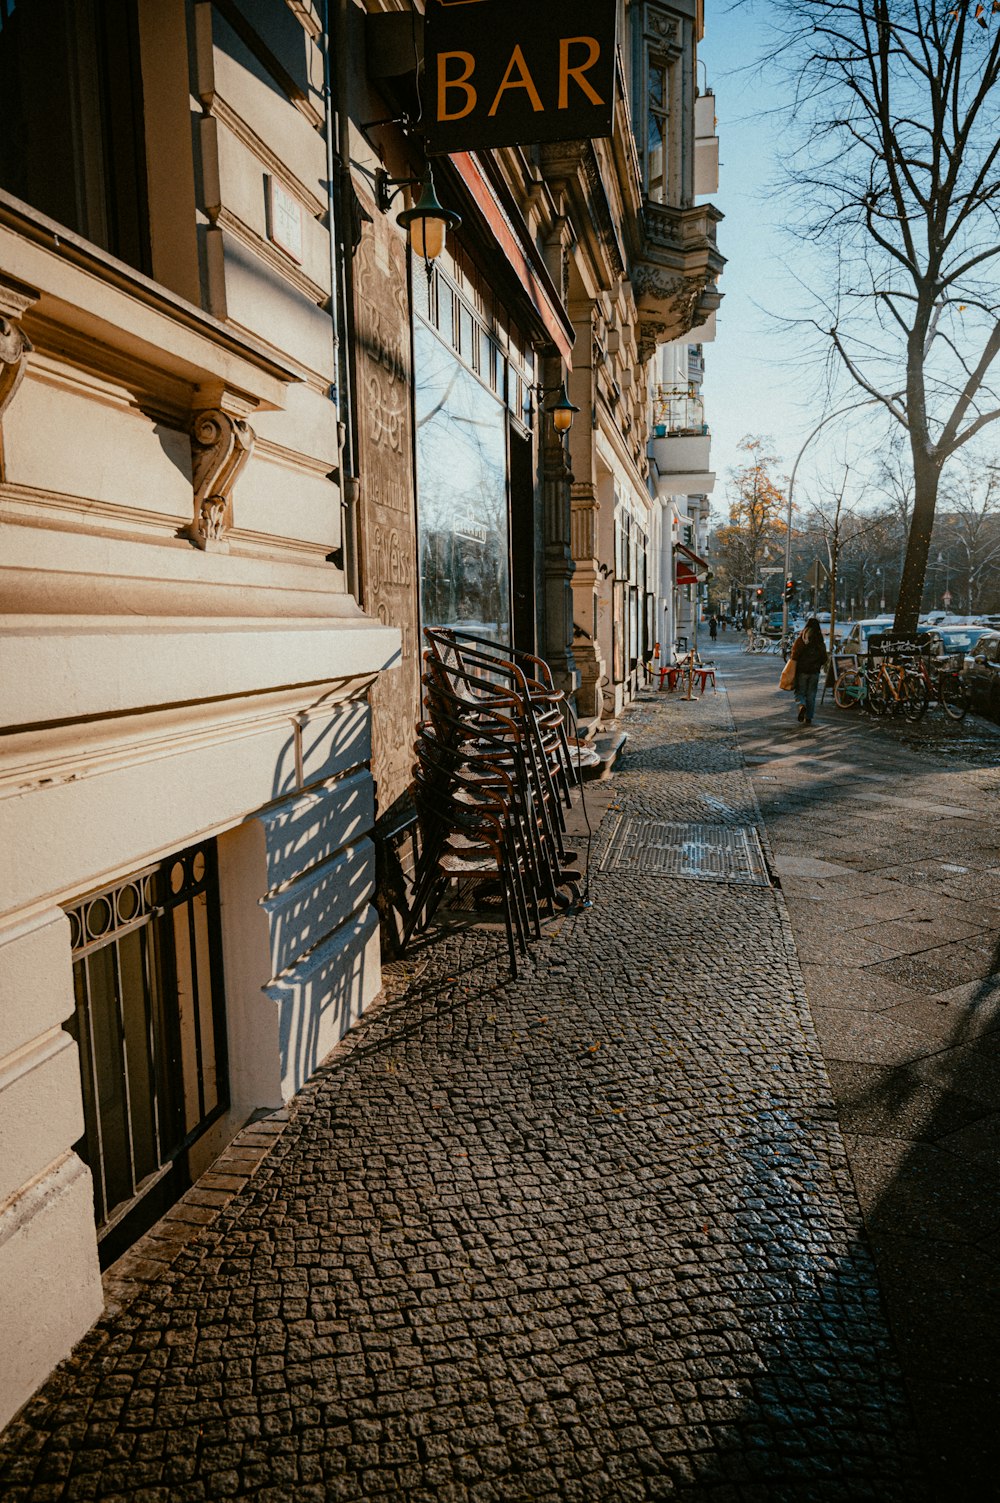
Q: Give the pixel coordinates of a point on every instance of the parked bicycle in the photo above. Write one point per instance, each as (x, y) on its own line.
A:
(945, 687)
(883, 687)
(850, 691)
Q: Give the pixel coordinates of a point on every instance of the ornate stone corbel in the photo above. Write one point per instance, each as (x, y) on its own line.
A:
(15, 346)
(221, 444)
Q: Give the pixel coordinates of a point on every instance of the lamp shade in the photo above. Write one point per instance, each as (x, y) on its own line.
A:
(428, 222)
(563, 411)
(427, 236)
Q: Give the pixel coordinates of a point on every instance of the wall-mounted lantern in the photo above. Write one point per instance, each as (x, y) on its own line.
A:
(562, 410)
(427, 223)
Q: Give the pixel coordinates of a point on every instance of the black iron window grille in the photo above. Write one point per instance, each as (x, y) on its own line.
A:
(150, 1025)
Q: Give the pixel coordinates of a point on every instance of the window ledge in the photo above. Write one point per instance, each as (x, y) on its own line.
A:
(84, 288)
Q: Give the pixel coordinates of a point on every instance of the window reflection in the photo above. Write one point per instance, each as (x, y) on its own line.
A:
(462, 494)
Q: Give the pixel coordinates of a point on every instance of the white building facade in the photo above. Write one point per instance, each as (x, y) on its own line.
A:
(681, 476)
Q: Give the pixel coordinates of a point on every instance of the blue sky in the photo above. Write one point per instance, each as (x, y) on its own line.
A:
(754, 380)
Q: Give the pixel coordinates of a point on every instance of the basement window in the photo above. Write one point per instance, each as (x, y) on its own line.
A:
(150, 1025)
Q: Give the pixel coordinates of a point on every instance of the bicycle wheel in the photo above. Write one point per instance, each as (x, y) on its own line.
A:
(876, 699)
(954, 696)
(913, 696)
(849, 690)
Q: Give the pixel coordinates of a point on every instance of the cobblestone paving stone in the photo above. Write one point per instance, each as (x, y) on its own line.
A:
(589, 1235)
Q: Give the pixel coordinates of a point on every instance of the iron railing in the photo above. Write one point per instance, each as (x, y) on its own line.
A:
(678, 410)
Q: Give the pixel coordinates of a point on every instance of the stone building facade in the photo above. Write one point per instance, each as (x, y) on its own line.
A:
(185, 795)
(249, 446)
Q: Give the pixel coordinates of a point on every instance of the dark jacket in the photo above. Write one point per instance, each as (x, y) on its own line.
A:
(809, 657)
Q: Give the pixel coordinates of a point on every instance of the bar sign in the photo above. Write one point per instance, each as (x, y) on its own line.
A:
(502, 74)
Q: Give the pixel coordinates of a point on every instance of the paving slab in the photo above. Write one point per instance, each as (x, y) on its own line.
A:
(810, 866)
(911, 1041)
(881, 1101)
(881, 1040)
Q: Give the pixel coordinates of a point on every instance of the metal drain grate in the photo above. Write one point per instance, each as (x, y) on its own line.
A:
(713, 853)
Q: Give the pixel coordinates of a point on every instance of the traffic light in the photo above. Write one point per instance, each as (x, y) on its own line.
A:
(760, 592)
(789, 587)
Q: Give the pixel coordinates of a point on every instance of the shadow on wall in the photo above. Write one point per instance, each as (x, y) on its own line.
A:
(326, 996)
(320, 881)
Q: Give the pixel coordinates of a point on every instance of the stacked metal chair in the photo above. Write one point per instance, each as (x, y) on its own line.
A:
(492, 778)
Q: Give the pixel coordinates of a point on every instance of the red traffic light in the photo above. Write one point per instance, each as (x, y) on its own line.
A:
(789, 587)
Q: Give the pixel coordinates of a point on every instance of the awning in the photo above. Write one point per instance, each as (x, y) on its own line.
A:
(521, 255)
(689, 567)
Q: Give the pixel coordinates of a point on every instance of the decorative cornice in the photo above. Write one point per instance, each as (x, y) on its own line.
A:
(575, 162)
(220, 447)
(15, 346)
(227, 220)
(234, 122)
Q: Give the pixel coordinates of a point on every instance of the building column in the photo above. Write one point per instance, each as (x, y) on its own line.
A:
(557, 559)
(585, 509)
(667, 625)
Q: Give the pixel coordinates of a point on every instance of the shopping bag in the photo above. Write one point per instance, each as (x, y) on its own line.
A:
(787, 679)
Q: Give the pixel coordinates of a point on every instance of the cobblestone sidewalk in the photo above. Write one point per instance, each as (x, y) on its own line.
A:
(585, 1236)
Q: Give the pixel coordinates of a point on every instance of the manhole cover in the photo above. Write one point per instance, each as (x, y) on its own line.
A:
(710, 852)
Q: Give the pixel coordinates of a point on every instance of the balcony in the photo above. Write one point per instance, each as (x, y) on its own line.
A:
(706, 146)
(681, 443)
(682, 463)
(676, 410)
(675, 271)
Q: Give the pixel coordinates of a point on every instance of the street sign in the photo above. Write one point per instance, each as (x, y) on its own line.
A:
(817, 573)
(497, 74)
(777, 569)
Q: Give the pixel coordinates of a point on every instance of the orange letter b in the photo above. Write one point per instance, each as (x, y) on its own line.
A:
(461, 82)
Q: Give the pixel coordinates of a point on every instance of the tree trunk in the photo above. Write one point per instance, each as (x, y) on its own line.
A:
(834, 551)
(926, 475)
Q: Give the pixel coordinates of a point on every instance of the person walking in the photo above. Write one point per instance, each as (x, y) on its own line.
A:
(713, 628)
(809, 657)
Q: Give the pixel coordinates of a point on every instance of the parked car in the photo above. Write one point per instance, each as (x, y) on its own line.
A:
(956, 639)
(854, 635)
(981, 674)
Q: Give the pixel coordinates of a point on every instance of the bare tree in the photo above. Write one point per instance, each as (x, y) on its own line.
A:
(897, 169)
(974, 516)
(843, 530)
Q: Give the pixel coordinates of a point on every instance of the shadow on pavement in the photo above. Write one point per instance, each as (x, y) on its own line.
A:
(911, 1039)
